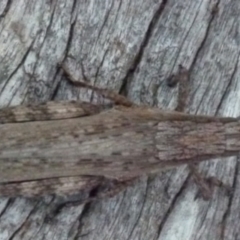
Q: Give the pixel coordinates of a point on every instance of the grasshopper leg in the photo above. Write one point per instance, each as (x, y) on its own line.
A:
(113, 96)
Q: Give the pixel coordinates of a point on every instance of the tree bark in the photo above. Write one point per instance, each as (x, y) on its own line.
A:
(131, 47)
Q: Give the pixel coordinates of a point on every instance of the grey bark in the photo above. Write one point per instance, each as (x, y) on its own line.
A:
(132, 47)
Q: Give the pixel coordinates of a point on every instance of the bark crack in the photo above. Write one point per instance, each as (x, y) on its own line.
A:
(40, 49)
(140, 210)
(105, 20)
(201, 46)
(231, 197)
(171, 207)
(14, 234)
(227, 89)
(71, 33)
(17, 68)
(9, 203)
(65, 52)
(138, 57)
(5, 11)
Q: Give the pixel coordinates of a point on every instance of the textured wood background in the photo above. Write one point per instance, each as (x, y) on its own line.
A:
(131, 46)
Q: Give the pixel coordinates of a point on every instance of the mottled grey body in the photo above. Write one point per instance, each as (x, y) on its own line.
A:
(72, 146)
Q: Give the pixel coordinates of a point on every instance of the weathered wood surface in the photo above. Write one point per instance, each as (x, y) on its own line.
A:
(130, 46)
